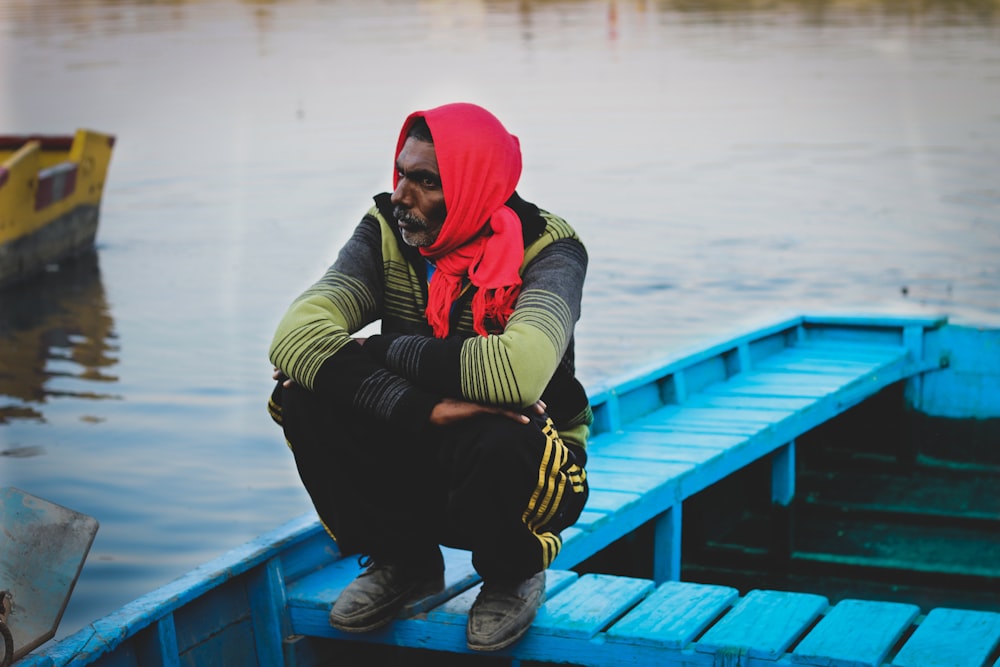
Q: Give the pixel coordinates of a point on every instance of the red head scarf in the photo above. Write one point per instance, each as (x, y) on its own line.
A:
(480, 164)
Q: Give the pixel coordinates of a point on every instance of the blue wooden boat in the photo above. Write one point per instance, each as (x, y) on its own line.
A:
(663, 437)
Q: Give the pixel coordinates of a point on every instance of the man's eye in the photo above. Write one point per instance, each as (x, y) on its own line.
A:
(429, 183)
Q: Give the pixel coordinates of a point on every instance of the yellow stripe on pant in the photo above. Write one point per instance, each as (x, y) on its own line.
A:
(548, 493)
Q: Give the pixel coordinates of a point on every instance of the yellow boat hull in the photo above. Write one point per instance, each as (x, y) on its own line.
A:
(50, 197)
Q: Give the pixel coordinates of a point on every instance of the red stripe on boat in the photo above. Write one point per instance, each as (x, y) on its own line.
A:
(47, 142)
(55, 184)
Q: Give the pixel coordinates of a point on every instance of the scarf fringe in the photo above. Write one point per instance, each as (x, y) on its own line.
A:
(493, 304)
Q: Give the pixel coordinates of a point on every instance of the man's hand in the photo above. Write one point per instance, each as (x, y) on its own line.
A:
(451, 410)
(281, 377)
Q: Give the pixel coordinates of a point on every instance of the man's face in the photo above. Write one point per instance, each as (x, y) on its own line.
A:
(418, 198)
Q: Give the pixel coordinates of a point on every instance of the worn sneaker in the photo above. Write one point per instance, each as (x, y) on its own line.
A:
(377, 594)
(503, 612)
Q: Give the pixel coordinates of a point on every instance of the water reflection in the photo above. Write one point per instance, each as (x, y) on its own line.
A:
(820, 12)
(47, 17)
(52, 329)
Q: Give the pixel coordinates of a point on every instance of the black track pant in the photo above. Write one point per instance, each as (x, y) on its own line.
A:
(500, 489)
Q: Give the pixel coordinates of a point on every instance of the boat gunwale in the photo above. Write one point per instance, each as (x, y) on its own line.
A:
(718, 345)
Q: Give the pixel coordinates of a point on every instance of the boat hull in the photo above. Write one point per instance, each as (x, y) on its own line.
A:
(50, 197)
(66, 236)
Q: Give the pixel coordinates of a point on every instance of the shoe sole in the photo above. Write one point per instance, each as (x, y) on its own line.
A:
(482, 648)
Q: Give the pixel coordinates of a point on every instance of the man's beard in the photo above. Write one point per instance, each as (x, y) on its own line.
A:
(415, 230)
(411, 220)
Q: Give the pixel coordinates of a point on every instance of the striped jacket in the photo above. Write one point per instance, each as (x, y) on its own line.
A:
(402, 373)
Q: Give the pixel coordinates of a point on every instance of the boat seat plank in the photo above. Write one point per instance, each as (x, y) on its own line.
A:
(777, 403)
(828, 379)
(853, 359)
(673, 615)
(657, 432)
(814, 385)
(319, 589)
(572, 533)
(604, 466)
(951, 638)
(833, 349)
(589, 605)
(710, 415)
(855, 633)
(678, 447)
(739, 415)
(456, 610)
(609, 502)
(748, 388)
(629, 476)
(590, 518)
(763, 624)
(830, 367)
(613, 481)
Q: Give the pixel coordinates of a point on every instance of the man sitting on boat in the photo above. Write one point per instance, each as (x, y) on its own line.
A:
(462, 423)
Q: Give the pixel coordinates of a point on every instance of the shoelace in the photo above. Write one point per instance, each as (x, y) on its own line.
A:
(367, 562)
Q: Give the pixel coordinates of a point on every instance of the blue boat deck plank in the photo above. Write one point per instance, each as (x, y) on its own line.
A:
(951, 638)
(776, 403)
(590, 605)
(856, 633)
(763, 624)
(673, 616)
(456, 610)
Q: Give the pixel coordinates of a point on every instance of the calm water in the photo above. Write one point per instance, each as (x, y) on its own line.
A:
(725, 164)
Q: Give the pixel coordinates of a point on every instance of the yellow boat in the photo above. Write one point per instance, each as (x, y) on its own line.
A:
(50, 198)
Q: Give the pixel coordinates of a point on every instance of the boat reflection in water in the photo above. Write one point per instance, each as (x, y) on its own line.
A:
(55, 330)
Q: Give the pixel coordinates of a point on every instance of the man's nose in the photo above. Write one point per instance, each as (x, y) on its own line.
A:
(401, 195)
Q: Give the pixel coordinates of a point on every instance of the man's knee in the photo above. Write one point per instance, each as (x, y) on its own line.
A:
(501, 448)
